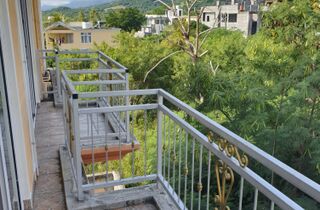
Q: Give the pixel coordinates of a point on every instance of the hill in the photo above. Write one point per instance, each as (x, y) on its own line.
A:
(142, 5)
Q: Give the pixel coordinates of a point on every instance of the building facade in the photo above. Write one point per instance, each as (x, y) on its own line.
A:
(77, 35)
(241, 16)
(20, 40)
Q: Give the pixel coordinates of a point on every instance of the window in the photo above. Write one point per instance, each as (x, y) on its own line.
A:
(9, 195)
(27, 42)
(232, 18)
(208, 18)
(204, 17)
(85, 37)
(180, 13)
(69, 38)
(157, 21)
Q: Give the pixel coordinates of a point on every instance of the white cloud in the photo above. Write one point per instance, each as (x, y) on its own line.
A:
(55, 3)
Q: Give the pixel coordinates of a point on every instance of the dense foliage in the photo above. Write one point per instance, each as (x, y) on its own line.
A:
(265, 87)
(129, 19)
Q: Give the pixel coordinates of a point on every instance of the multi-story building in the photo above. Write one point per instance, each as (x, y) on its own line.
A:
(156, 23)
(78, 35)
(241, 16)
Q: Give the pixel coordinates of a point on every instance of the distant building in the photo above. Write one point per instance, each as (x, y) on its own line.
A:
(173, 15)
(242, 16)
(156, 23)
(78, 35)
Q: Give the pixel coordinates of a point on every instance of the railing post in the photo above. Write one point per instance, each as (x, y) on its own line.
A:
(76, 142)
(159, 137)
(127, 104)
(58, 77)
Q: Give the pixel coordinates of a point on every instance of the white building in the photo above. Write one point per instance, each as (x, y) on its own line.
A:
(156, 23)
(239, 16)
(173, 15)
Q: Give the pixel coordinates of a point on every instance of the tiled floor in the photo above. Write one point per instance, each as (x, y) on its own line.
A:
(49, 192)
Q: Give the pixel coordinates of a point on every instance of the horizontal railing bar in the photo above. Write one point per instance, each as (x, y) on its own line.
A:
(294, 177)
(171, 192)
(103, 62)
(64, 52)
(108, 135)
(95, 71)
(269, 191)
(48, 57)
(99, 82)
(49, 92)
(119, 93)
(111, 60)
(77, 59)
(120, 75)
(68, 84)
(118, 108)
(45, 50)
(132, 180)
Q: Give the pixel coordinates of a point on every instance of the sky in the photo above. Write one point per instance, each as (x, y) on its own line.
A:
(49, 4)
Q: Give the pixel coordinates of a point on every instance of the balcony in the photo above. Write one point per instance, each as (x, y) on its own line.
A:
(156, 152)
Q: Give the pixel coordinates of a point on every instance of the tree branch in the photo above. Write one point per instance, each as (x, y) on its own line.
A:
(165, 4)
(163, 59)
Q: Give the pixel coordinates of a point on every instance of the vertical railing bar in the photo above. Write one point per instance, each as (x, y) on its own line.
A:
(107, 148)
(159, 137)
(88, 125)
(192, 174)
(255, 205)
(241, 193)
(272, 205)
(208, 181)
(120, 149)
(200, 177)
(132, 145)
(77, 156)
(186, 171)
(92, 150)
(127, 113)
(179, 176)
(145, 142)
(164, 145)
(169, 148)
(174, 155)
(97, 128)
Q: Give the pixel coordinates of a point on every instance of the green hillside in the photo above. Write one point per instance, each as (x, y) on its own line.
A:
(143, 5)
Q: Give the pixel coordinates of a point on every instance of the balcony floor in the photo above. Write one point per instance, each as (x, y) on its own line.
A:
(53, 189)
(48, 193)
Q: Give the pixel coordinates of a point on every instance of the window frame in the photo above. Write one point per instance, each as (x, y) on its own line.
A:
(86, 37)
(12, 195)
(234, 19)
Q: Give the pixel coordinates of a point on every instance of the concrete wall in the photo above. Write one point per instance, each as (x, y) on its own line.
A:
(98, 36)
(244, 18)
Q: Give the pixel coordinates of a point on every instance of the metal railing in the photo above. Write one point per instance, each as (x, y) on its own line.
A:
(55, 61)
(168, 142)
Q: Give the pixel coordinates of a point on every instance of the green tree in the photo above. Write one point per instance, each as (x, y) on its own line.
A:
(81, 16)
(94, 16)
(129, 19)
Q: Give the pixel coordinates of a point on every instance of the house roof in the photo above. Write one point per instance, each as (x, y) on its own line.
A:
(60, 24)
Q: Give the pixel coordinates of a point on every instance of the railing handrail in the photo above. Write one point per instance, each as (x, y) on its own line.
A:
(294, 177)
(262, 185)
(297, 179)
(112, 60)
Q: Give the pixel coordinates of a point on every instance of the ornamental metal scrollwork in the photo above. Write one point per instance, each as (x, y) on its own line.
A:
(225, 181)
(230, 150)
